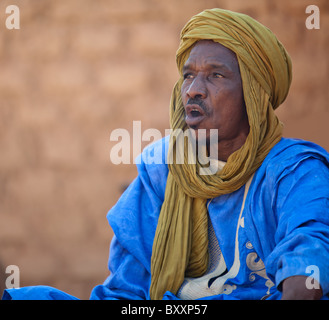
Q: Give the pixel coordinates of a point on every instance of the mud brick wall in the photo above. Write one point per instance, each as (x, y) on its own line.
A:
(78, 69)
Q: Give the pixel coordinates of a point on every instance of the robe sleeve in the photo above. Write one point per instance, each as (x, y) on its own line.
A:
(301, 206)
(133, 220)
(128, 279)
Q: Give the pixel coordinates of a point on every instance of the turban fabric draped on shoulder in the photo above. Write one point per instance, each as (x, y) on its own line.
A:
(180, 246)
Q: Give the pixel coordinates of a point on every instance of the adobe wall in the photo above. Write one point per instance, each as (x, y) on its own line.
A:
(77, 70)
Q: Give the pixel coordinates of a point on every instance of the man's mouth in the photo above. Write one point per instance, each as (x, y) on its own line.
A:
(194, 114)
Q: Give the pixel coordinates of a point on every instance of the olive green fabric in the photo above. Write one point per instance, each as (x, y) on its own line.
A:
(180, 246)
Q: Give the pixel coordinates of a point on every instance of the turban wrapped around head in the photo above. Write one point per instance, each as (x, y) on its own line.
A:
(180, 246)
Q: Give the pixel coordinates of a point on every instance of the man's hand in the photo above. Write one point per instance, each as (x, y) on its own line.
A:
(294, 288)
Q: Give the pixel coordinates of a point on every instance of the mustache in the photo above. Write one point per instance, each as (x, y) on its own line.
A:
(200, 102)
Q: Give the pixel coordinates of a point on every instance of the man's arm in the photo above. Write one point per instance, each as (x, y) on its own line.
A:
(300, 202)
(294, 288)
(133, 220)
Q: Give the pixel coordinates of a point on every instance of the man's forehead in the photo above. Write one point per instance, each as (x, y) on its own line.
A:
(211, 54)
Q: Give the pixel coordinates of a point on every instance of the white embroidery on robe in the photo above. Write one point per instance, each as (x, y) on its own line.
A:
(256, 265)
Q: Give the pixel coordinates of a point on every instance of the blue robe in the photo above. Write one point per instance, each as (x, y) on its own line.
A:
(283, 230)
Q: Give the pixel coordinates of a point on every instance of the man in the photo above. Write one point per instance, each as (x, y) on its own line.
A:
(254, 228)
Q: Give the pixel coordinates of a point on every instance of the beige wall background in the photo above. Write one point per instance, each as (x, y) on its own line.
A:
(77, 70)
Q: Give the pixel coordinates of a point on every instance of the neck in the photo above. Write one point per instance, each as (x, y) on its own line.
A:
(226, 148)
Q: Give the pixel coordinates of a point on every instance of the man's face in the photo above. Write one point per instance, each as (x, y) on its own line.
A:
(212, 93)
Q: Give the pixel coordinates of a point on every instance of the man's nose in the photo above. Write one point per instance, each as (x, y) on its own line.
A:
(197, 88)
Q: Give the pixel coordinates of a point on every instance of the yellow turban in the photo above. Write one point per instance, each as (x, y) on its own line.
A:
(180, 246)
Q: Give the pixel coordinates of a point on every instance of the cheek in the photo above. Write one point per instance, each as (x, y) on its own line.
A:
(183, 92)
(229, 107)
(231, 95)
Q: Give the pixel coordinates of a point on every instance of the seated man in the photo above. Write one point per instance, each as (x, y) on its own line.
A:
(256, 227)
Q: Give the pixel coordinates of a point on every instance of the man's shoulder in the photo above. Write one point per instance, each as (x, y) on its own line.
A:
(288, 148)
(288, 153)
(155, 153)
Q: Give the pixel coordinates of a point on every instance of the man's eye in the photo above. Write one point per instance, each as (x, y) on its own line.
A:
(217, 75)
(188, 76)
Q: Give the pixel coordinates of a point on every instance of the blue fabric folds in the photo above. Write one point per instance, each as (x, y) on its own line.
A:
(285, 227)
(36, 293)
